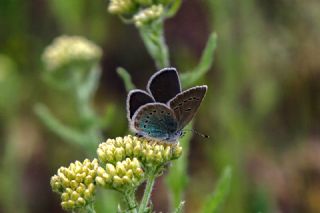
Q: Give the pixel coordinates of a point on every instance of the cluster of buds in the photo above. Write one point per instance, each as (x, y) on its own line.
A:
(123, 175)
(148, 152)
(67, 50)
(141, 12)
(76, 184)
(148, 15)
(124, 162)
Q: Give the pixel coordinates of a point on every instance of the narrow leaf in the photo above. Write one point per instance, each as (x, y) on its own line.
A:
(174, 7)
(177, 178)
(125, 76)
(190, 78)
(180, 207)
(53, 124)
(215, 200)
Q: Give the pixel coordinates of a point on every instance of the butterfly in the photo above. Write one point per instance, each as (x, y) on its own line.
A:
(163, 110)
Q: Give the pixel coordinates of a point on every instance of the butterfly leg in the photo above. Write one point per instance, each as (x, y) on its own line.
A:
(138, 135)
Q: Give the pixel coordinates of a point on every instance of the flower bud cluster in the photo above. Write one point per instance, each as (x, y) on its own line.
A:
(66, 50)
(121, 6)
(148, 152)
(148, 15)
(124, 174)
(75, 184)
(141, 12)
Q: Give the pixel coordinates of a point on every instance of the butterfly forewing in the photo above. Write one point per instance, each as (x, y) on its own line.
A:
(164, 85)
(186, 104)
(155, 120)
(136, 98)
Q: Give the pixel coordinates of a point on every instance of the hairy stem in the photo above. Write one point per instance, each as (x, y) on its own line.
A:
(147, 192)
(154, 40)
(90, 208)
(131, 201)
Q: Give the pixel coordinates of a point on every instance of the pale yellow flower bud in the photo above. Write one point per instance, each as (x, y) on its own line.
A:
(66, 50)
(148, 152)
(121, 175)
(110, 169)
(148, 15)
(100, 181)
(75, 184)
(177, 152)
(121, 7)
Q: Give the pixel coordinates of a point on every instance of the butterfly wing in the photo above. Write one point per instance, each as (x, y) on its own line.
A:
(164, 85)
(186, 104)
(155, 120)
(135, 99)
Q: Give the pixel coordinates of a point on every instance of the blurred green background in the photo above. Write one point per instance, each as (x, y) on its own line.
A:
(262, 109)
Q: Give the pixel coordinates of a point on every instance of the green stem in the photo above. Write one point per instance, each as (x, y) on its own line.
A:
(147, 192)
(90, 208)
(67, 133)
(154, 40)
(131, 201)
(84, 89)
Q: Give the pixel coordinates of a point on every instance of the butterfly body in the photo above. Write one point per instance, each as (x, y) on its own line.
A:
(163, 111)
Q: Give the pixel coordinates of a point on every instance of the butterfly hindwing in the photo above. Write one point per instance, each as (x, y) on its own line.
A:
(155, 120)
(164, 85)
(186, 104)
(135, 99)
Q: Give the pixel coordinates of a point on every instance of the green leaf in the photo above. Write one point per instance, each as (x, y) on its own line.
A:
(177, 178)
(180, 207)
(215, 200)
(190, 78)
(68, 134)
(174, 7)
(125, 76)
(108, 116)
(90, 83)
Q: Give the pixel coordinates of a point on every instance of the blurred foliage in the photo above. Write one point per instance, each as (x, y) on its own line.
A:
(262, 109)
(213, 202)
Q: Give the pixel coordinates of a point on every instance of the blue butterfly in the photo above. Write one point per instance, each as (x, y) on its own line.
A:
(163, 110)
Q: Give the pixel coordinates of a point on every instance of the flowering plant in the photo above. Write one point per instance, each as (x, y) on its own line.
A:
(124, 163)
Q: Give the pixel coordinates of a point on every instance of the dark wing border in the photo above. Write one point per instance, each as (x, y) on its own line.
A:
(160, 72)
(128, 101)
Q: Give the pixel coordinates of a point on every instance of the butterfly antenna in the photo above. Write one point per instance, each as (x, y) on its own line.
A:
(197, 133)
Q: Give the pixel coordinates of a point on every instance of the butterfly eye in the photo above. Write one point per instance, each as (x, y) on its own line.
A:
(162, 112)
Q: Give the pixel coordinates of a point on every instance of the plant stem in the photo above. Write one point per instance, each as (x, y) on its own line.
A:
(147, 192)
(90, 208)
(154, 40)
(131, 201)
(85, 86)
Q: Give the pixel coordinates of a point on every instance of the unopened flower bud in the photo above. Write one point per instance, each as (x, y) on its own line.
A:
(66, 50)
(75, 184)
(148, 15)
